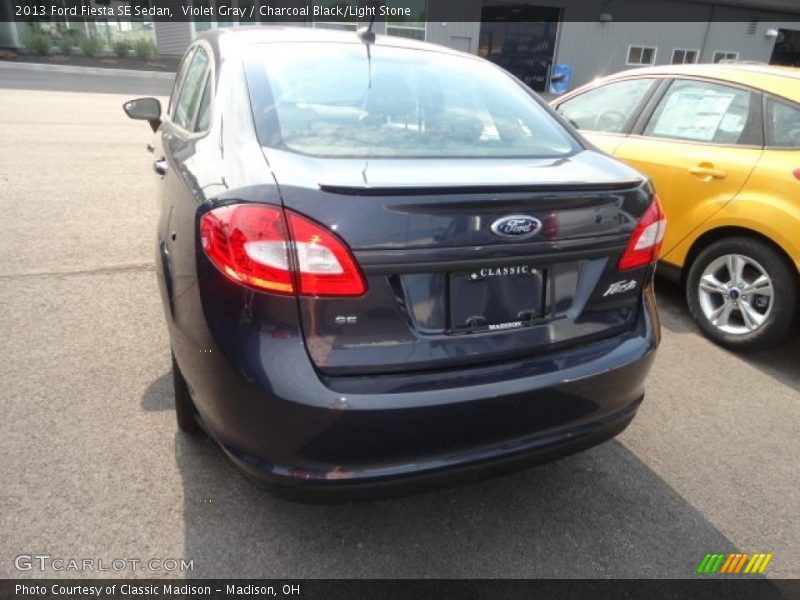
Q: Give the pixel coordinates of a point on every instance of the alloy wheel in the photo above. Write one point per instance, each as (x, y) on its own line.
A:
(735, 294)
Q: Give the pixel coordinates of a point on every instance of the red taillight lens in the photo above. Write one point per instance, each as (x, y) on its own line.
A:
(250, 243)
(645, 243)
(325, 266)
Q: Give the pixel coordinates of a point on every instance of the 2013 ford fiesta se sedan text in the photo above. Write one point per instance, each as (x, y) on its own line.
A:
(385, 262)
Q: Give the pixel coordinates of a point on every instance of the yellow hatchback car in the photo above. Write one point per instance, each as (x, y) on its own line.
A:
(721, 143)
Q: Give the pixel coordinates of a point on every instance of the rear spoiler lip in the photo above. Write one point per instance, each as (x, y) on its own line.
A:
(607, 186)
(391, 262)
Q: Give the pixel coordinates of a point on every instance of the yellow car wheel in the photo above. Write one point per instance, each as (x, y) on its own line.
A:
(743, 294)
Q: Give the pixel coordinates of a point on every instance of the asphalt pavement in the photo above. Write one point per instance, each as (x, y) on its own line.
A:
(92, 466)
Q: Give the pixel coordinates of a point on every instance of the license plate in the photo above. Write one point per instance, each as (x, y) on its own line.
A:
(496, 298)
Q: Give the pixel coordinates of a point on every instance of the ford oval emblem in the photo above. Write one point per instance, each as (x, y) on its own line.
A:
(517, 227)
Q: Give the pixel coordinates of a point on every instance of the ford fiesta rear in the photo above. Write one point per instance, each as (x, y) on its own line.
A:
(413, 271)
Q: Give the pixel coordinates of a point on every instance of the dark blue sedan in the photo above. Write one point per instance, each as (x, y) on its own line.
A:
(384, 262)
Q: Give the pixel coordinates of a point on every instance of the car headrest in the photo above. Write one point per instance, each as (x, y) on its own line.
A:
(390, 96)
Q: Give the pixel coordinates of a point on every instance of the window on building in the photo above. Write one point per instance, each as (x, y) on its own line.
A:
(720, 56)
(783, 124)
(701, 111)
(606, 108)
(331, 22)
(412, 26)
(681, 56)
(641, 55)
(190, 91)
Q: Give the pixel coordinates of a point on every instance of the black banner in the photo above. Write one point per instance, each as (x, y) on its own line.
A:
(405, 589)
(400, 11)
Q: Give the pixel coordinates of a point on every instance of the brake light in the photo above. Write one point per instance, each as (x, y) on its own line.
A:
(325, 265)
(645, 243)
(251, 244)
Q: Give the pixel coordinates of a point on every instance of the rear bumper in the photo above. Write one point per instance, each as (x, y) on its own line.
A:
(282, 422)
(337, 483)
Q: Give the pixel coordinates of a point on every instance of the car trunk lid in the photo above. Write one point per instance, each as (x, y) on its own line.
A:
(448, 286)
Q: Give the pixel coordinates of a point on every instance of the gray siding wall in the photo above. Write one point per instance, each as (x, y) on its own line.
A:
(459, 35)
(172, 39)
(597, 49)
(8, 35)
(593, 48)
(779, 5)
(734, 36)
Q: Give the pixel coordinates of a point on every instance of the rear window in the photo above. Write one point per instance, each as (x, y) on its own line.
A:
(783, 124)
(335, 100)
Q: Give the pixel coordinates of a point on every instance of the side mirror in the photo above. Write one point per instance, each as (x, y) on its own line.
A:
(144, 109)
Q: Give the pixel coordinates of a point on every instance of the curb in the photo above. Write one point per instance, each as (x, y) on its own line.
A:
(26, 66)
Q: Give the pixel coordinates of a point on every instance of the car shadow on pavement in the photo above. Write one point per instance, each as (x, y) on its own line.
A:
(158, 395)
(601, 513)
(779, 362)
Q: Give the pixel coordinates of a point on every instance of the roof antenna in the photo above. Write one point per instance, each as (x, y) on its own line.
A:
(365, 34)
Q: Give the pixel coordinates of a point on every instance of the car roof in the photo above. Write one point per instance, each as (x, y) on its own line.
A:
(272, 34)
(777, 80)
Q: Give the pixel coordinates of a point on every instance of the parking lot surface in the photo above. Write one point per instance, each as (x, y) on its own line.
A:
(92, 465)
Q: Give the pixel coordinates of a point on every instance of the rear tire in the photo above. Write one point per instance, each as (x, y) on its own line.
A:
(742, 294)
(185, 410)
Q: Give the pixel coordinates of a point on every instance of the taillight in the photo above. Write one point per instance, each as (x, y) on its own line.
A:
(325, 266)
(645, 243)
(251, 244)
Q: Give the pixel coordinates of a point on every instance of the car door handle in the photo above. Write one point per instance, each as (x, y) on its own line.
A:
(708, 172)
(160, 166)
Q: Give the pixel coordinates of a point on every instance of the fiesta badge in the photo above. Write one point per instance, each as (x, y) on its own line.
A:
(516, 227)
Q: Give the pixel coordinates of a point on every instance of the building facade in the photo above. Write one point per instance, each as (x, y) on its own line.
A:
(589, 38)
